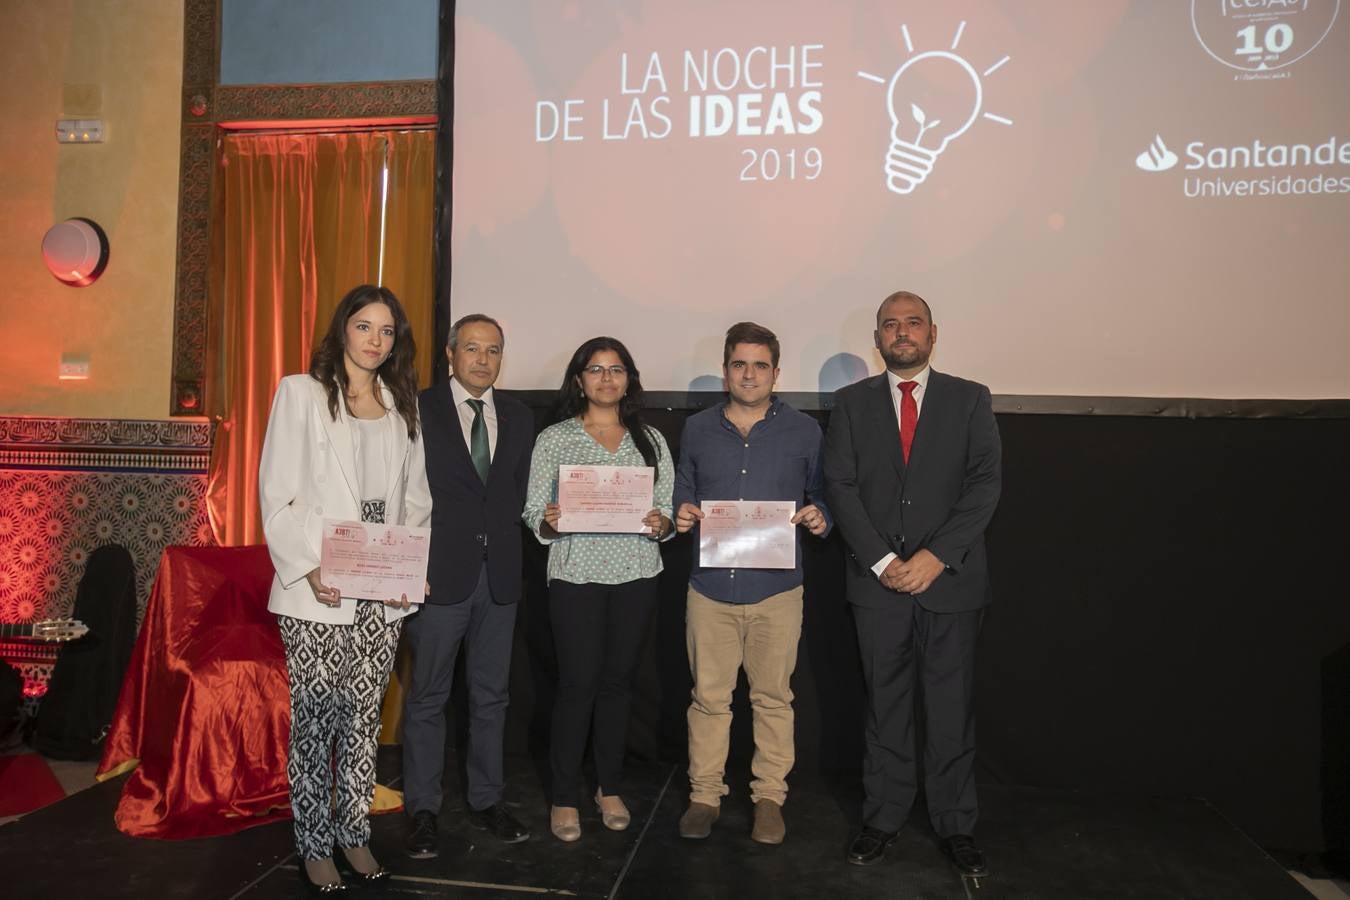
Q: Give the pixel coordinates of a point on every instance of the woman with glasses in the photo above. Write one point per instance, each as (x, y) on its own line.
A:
(602, 587)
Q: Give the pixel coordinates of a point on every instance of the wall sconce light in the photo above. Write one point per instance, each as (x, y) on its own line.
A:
(75, 251)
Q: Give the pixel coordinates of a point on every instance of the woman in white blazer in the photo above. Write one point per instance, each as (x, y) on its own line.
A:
(342, 443)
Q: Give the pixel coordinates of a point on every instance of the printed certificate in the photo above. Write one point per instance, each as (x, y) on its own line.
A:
(375, 562)
(611, 499)
(747, 534)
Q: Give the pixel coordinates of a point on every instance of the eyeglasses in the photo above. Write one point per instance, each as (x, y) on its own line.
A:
(597, 371)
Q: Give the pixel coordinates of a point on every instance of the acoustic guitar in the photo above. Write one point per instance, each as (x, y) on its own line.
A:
(50, 630)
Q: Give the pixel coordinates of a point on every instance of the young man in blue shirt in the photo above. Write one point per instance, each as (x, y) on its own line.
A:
(753, 447)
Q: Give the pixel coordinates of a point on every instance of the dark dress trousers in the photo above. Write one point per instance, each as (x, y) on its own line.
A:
(475, 577)
(942, 501)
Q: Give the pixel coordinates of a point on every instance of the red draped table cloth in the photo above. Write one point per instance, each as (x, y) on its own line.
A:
(203, 718)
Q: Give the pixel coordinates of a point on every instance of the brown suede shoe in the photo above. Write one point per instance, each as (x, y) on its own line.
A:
(769, 827)
(697, 821)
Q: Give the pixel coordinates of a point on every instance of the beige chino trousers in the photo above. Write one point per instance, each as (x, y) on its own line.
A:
(721, 639)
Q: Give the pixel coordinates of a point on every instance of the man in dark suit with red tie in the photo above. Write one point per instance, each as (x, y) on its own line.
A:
(912, 476)
(478, 446)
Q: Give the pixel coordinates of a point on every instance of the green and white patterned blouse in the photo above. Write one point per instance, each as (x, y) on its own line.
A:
(594, 558)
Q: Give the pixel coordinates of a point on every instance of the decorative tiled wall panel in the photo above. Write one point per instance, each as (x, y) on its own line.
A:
(68, 486)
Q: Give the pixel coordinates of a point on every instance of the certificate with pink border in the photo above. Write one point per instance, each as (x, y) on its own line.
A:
(375, 562)
(612, 499)
(747, 534)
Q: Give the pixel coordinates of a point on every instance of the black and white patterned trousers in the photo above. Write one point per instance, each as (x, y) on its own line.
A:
(338, 674)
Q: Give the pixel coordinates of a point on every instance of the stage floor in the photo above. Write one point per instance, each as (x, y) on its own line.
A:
(1040, 844)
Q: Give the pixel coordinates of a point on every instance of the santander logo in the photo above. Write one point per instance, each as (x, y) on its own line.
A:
(1157, 158)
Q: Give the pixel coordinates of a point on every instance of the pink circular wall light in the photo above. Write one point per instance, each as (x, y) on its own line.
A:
(75, 251)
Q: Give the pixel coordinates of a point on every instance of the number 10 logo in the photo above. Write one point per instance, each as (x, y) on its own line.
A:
(1278, 38)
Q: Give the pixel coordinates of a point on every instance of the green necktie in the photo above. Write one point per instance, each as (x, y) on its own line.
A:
(478, 441)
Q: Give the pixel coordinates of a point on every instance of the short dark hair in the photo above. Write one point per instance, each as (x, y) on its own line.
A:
(905, 295)
(749, 333)
(452, 338)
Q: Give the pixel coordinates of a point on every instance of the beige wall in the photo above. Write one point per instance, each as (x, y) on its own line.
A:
(132, 52)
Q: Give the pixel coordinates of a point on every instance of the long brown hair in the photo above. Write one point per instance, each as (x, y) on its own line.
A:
(326, 365)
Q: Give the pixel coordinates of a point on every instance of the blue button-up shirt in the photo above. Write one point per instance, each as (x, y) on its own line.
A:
(779, 460)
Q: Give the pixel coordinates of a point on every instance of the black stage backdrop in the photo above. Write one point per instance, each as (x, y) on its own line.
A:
(1166, 591)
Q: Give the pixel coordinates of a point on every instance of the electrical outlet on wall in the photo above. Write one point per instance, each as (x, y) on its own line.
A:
(74, 367)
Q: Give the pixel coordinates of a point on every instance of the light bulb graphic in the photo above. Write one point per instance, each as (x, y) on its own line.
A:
(919, 135)
(933, 98)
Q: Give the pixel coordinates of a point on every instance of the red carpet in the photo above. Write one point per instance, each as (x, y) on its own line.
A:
(26, 783)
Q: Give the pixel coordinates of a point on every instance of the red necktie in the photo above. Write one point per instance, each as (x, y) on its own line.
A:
(909, 416)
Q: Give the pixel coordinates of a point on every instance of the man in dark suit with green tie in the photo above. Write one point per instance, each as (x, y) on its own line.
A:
(478, 445)
(912, 474)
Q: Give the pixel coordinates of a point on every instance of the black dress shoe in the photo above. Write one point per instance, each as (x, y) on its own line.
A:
(498, 821)
(321, 890)
(381, 874)
(870, 845)
(965, 855)
(422, 840)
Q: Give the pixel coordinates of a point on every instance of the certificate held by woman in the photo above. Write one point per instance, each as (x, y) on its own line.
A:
(612, 499)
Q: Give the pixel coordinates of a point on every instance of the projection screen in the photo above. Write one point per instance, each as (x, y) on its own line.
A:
(1146, 199)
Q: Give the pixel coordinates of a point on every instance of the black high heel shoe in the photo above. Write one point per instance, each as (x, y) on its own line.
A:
(321, 890)
(380, 875)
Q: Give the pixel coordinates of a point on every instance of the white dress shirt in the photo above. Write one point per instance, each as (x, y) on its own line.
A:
(466, 415)
(896, 396)
(919, 391)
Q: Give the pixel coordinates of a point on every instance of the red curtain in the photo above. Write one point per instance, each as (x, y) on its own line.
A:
(297, 225)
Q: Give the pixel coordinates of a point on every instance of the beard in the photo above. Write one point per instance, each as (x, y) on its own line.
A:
(904, 356)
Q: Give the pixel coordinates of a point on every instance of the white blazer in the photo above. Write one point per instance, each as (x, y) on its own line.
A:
(308, 473)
